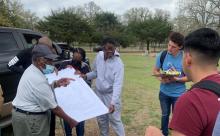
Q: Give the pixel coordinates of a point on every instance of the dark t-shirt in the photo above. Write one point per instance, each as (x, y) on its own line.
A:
(196, 111)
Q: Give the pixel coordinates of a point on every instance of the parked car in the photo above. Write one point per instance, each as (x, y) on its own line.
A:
(97, 48)
(12, 41)
(65, 50)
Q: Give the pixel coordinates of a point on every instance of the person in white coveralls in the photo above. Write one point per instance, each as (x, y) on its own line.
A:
(108, 69)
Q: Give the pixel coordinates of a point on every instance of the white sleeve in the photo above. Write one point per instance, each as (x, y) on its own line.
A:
(118, 82)
(93, 74)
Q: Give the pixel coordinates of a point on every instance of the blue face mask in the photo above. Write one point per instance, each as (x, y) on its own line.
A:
(49, 69)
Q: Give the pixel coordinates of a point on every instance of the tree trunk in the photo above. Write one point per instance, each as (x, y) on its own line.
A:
(148, 47)
(141, 47)
(90, 47)
(154, 47)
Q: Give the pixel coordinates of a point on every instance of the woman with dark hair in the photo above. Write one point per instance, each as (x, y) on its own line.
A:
(77, 62)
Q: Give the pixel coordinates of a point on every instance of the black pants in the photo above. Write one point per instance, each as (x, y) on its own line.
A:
(52, 124)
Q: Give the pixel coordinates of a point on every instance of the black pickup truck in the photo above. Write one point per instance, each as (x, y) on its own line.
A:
(12, 40)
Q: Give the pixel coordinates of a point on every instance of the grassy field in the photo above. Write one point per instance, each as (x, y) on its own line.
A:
(139, 98)
(140, 94)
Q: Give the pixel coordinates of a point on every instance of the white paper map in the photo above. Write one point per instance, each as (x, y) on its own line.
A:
(77, 99)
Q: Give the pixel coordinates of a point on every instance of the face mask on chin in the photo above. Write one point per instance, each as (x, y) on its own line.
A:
(48, 69)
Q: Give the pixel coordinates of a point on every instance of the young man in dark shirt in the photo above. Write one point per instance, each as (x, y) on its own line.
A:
(196, 111)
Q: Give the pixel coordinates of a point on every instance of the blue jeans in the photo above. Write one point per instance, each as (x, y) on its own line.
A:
(79, 129)
(165, 103)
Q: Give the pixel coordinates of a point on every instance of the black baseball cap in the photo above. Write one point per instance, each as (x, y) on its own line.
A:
(44, 51)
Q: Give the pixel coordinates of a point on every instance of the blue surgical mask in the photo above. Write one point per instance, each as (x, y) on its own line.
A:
(48, 69)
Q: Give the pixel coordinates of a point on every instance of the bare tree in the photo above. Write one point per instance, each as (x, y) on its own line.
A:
(4, 14)
(91, 10)
(137, 15)
(88, 11)
(194, 14)
(216, 12)
(12, 14)
(161, 14)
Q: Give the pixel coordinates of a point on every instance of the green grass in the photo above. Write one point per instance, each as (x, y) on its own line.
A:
(140, 94)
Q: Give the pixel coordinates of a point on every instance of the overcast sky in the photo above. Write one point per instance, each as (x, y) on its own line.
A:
(43, 7)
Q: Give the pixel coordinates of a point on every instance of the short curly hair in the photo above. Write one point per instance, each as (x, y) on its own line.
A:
(177, 38)
(108, 40)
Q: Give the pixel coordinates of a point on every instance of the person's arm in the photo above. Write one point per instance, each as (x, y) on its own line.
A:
(61, 82)
(168, 80)
(60, 113)
(154, 131)
(86, 69)
(156, 71)
(163, 80)
(93, 74)
(181, 79)
(117, 86)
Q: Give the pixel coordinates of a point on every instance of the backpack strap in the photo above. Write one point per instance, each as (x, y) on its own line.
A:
(162, 57)
(209, 86)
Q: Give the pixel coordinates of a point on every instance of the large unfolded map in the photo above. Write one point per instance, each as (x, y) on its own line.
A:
(77, 99)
